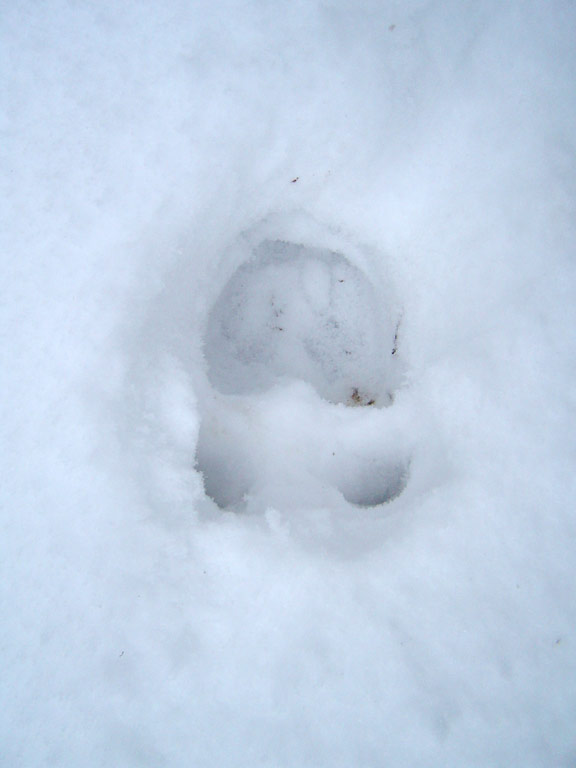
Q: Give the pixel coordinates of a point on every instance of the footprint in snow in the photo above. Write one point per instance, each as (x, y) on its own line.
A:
(300, 354)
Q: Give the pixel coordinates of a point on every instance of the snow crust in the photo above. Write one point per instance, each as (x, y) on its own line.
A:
(214, 550)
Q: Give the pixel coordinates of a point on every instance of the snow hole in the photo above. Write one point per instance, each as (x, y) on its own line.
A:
(299, 348)
(303, 313)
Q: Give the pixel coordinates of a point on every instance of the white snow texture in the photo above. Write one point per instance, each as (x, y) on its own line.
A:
(288, 465)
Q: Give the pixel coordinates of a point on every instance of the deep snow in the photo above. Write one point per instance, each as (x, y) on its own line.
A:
(151, 229)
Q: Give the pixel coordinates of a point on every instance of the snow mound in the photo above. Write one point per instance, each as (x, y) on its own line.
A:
(288, 447)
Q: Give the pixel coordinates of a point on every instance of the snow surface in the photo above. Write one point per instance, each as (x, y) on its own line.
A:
(214, 550)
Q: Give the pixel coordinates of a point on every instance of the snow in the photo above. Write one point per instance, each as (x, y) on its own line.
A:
(214, 550)
(302, 313)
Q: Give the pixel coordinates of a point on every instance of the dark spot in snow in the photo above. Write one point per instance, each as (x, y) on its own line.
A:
(357, 398)
(295, 180)
(395, 344)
